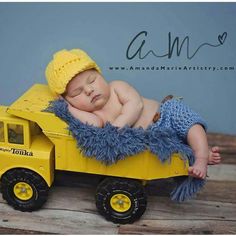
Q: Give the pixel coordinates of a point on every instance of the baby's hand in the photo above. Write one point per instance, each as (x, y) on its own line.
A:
(83, 116)
(119, 126)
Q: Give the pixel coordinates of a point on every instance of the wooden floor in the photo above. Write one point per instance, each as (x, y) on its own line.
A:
(70, 208)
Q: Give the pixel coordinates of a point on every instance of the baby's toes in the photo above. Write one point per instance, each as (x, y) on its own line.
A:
(193, 172)
(196, 172)
(215, 154)
(215, 149)
(203, 175)
(190, 170)
(217, 160)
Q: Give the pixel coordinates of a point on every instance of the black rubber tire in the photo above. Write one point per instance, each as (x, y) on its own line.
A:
(36, 182)
(132, 189)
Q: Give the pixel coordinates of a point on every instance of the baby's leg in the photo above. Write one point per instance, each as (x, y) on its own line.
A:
(214, 156)
(197, 139)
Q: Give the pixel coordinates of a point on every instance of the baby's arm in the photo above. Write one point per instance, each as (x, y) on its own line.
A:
(85, 117)
(132, 104)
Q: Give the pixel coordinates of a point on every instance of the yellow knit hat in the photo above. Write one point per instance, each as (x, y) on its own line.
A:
(65, 65)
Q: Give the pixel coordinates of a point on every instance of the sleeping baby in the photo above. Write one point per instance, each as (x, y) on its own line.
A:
(75, 77)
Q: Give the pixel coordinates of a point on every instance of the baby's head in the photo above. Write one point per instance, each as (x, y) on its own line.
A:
(75, 76)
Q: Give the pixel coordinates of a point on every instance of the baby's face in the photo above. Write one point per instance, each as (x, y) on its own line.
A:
(87, 91)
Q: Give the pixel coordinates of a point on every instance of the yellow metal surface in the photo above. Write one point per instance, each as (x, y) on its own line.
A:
(30, 105)
(143, 166)
(36, 153)
(120, 202)
(23, 191)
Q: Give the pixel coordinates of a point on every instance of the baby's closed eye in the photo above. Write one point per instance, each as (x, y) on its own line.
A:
(76, 92)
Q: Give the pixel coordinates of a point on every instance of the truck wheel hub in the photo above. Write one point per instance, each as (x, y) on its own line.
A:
(23, 191)
(120, 202)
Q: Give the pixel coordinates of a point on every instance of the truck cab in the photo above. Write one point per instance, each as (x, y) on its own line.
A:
(14, 131)
(22, 144)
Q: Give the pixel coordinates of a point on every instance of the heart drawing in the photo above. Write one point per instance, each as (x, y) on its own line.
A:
(222, 38)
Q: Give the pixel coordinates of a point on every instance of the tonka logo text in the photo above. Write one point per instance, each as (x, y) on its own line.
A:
(17, 151)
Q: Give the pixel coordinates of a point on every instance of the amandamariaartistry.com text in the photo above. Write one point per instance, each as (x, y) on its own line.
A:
(171, 68)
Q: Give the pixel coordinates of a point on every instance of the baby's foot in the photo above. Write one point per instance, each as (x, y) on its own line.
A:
(198, 170)
(214, 156)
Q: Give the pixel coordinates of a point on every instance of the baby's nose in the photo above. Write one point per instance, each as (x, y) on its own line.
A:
(88, 89)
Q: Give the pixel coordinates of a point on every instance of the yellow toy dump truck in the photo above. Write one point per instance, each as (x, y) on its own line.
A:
(33, 144)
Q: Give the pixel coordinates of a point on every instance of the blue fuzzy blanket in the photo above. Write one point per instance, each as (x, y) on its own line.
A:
(111, 144)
